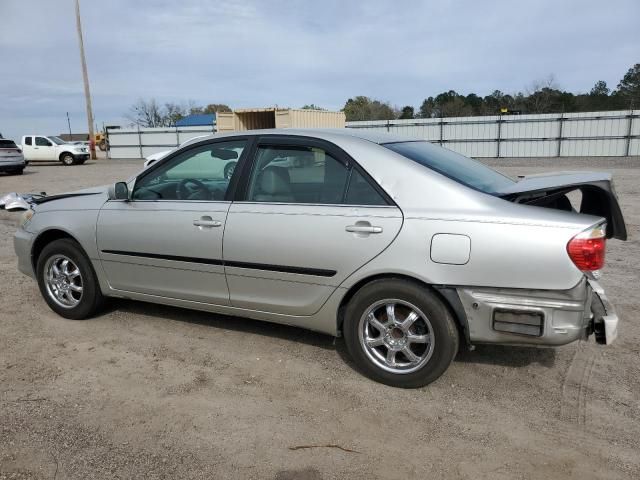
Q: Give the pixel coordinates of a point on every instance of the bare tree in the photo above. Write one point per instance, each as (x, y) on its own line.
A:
(540, 93)
(148, 113)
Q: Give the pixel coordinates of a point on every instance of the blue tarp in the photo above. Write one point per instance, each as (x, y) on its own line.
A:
(206, 119)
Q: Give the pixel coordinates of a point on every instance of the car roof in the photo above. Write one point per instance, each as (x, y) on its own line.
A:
(330, 134)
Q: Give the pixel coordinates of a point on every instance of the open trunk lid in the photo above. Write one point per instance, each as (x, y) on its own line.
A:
(550, 190)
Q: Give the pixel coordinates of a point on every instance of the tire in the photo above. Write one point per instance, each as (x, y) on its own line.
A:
(102, 145)
(84, 303)
(430, 334)
(67, 159)
(229, 168)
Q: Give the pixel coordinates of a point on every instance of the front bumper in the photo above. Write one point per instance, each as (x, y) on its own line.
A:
(22, 244)
(81, 156)
(539, 317)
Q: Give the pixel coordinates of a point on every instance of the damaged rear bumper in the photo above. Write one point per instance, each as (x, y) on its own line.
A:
(539, 317)
(605, 319)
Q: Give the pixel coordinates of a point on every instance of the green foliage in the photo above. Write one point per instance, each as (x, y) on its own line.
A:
(364, 108)
(407, 112)
(629, 87)
(542, 97)
(312, 106)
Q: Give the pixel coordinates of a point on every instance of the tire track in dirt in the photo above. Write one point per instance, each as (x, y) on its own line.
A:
(575, 387)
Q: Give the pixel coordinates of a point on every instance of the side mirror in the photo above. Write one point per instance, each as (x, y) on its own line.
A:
(119, 191)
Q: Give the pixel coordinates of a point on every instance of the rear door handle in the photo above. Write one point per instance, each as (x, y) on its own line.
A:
(206, 222)
(363, 227)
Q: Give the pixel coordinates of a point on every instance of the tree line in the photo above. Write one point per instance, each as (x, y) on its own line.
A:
(541, 97)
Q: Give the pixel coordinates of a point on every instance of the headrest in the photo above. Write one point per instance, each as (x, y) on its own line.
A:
(275, 181)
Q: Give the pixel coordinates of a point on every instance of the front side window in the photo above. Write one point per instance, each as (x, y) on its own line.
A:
(42, 142)
(291, 174)
(200, 173)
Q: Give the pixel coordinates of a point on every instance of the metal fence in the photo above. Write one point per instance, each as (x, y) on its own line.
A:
(614, 133)
(140, 142)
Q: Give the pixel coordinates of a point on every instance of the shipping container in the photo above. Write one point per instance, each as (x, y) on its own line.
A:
(259, 118)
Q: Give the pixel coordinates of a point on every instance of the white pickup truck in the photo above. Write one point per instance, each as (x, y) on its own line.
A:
(41, 148)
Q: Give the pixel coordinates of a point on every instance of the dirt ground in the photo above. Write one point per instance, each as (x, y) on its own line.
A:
(145, 391)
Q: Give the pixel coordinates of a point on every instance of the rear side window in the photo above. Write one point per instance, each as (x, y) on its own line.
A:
(361, 192)
(7, 144)
(297, 175)
(308, 175)
(27, 141)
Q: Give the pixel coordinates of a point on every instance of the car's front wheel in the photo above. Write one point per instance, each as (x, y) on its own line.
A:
(67, 280)
(67, 159)
(400, 333)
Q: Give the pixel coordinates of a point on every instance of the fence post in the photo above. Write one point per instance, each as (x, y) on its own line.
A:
(388, 122)
(140, 142)
(441, 131)
(499, 136)
(561, 119)
(177, 137)
(629, 130)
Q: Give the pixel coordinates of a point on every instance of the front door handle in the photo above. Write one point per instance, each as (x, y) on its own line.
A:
(206, 222)
(363, 227)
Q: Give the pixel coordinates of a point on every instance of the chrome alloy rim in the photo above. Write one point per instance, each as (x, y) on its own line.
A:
(63, 281)
(396, 336)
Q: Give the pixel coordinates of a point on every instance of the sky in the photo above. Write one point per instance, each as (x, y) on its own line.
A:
(258, 53)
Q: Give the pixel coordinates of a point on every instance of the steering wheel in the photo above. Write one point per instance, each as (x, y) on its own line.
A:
(186, 193)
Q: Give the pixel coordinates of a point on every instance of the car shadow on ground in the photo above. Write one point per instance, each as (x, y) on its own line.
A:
(508, 356)
(223, 322)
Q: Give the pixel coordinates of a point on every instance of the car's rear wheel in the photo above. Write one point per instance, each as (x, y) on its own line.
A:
(400, 333)
(67, 280)
(67, 159)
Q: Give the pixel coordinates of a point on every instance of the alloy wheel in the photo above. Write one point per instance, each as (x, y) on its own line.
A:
(396, 336)
(63, 281)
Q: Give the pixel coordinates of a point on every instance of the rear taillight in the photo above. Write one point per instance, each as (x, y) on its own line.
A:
(586, 249)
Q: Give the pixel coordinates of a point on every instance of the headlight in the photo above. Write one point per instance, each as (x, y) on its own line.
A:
(26, 217)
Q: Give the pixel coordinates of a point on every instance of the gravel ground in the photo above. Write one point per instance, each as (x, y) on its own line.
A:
(157, 392)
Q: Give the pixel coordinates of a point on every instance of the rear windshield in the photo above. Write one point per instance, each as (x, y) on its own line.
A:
(462, 169)
(7, 144)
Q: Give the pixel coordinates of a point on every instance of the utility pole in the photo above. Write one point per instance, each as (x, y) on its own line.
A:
(85, 77)
(69, 123)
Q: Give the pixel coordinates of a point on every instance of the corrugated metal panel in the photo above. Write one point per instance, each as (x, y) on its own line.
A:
(137, 143)
(548, 135)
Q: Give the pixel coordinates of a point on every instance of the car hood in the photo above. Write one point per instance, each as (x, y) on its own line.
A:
(85, 199)
(550, 190)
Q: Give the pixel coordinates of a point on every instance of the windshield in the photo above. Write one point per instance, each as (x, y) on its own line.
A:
(462, 169)
(57, 140)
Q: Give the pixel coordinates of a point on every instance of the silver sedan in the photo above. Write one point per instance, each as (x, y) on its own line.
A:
(408, 250)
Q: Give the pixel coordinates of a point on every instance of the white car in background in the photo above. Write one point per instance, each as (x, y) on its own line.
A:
(11, 158)
(41, 148)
